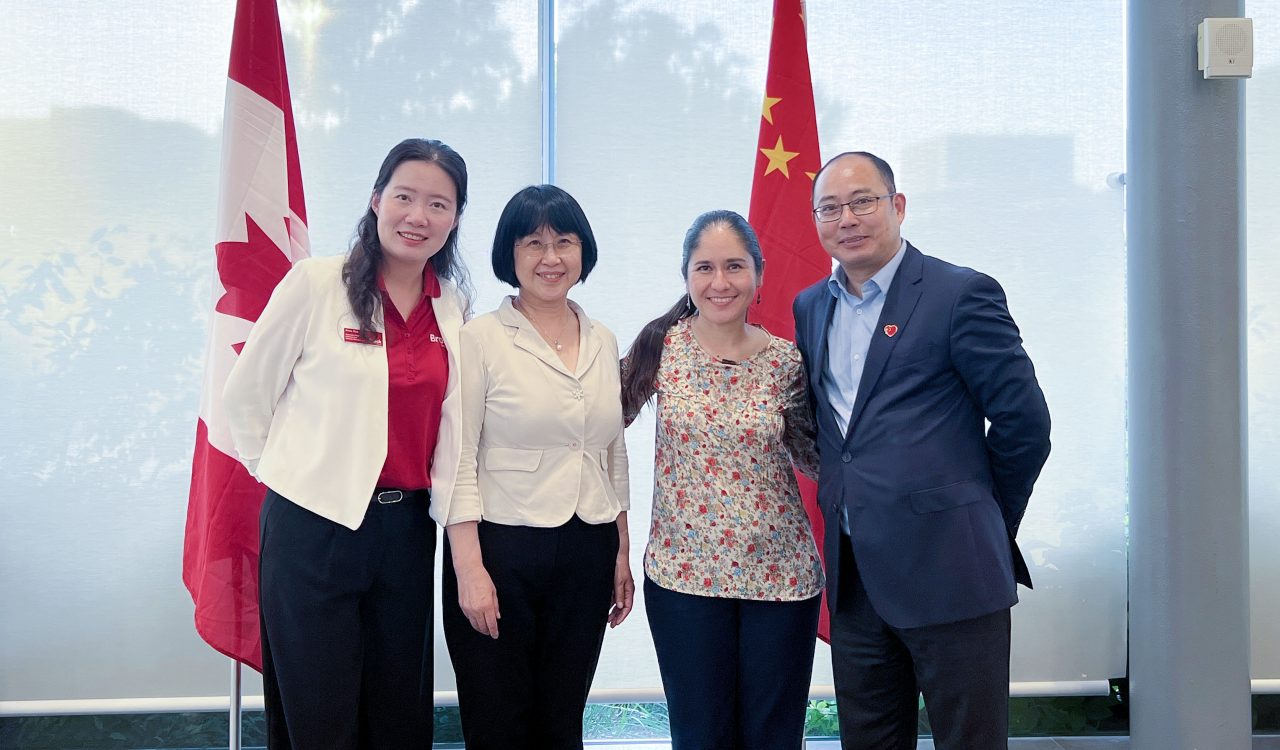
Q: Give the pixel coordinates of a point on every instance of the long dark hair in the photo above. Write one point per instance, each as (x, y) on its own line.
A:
(360, 272)
(645, 354)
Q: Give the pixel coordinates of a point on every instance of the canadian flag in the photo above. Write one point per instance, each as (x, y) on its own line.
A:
(262, 231)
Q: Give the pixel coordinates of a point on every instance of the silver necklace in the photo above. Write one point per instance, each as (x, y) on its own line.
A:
(555, 340)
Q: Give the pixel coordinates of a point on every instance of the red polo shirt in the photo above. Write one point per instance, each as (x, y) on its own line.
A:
(418, 366)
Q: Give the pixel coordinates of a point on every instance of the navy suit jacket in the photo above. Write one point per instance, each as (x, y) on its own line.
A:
(934, 495)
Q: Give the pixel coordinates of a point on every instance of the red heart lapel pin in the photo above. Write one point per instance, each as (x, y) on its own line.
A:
(891, 330)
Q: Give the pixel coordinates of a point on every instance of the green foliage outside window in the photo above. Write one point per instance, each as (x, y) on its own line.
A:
(1028, 717)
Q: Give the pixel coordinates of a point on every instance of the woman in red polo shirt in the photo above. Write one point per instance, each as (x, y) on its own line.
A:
(344, 404)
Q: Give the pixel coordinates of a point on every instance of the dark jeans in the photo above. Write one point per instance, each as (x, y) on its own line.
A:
(528, 687)
(346, 627)
(736, 672)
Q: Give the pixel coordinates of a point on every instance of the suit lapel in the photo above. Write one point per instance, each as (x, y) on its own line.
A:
(904, 293)
(821, 323)
(528, 338)
(588, 343)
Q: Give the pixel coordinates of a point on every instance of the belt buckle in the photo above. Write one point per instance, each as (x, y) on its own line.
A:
(388, 497)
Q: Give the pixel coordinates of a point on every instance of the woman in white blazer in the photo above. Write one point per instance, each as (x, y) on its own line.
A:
(537, 554)
(345, 404)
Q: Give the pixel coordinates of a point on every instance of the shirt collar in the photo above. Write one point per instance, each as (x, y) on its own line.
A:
(509, 315)
(430, 282)
(837, 282)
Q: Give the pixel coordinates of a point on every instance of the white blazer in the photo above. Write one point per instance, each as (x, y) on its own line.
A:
(539, 443)
(307, 408)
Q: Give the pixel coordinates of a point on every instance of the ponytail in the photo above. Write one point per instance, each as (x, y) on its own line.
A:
(640, 366)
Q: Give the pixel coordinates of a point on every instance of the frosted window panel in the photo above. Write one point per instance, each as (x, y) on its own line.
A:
(108, 170)
(659, 111)
(107, 195)
(1003, 172)
(108, 191)
(158, 61)
(1263, 324)
(1004, 165)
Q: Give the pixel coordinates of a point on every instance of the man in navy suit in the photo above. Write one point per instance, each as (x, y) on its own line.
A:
(909, 359)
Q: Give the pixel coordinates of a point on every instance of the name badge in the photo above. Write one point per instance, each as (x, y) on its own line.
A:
(352, 336)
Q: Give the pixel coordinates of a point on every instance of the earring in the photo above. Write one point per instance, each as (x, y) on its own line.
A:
(757, 296)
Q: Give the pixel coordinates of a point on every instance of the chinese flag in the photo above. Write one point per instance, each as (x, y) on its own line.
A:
(781, 197)
(261, 231)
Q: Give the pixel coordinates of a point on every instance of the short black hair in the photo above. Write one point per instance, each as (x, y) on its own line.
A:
(882, 166)
(528, 211)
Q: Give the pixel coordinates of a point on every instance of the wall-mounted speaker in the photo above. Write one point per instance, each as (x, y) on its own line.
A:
(1225, 47)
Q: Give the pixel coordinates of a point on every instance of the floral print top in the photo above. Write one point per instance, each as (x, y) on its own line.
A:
(727, 516)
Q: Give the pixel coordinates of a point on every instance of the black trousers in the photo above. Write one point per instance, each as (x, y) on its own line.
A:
(962, 668)
(346, 627)
(736, 672)
(528, 687)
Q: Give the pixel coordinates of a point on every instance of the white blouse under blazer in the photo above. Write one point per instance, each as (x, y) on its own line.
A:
(539, 443)
(307, 407)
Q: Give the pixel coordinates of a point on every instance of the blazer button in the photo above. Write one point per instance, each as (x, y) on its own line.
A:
(846, 457)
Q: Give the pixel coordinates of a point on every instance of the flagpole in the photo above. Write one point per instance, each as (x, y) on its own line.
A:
(233, 728)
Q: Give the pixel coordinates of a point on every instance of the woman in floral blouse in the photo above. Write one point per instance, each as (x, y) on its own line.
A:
(732, 575)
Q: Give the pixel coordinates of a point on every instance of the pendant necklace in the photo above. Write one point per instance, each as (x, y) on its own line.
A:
(555, 340)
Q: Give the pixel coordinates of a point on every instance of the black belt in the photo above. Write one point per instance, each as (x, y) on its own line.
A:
(391, 495)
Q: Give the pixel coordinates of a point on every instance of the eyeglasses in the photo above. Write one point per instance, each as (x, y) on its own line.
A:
(860, 206)
(537, 246)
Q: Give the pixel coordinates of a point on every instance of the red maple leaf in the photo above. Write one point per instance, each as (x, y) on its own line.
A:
(249, 270)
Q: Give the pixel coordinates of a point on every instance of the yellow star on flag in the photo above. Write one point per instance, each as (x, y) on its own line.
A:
(767, 113)
(778, 157)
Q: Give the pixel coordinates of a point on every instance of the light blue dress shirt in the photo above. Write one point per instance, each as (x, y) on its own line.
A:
(853, 323)
(849, 337)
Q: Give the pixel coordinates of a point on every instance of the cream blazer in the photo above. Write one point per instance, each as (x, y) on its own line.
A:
(307, 408)
(539, 443)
